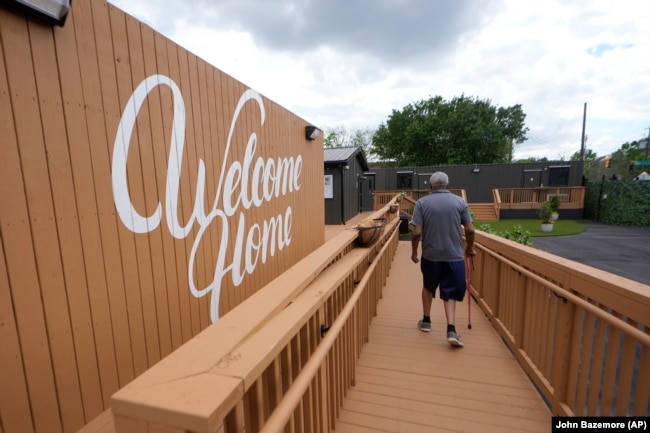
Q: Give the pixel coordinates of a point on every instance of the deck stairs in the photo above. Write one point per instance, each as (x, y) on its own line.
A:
(484, 212)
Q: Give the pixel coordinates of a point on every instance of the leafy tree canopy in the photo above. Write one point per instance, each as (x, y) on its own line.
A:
(621, 161)
(465, 130)
(342, 137)
(533, 159)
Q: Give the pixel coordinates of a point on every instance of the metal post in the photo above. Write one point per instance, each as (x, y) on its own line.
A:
(582, 144)
(600, 195)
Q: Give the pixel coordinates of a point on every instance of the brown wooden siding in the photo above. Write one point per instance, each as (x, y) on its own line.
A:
(87, 304)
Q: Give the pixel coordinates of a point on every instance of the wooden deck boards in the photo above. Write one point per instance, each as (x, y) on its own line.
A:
(411, 381)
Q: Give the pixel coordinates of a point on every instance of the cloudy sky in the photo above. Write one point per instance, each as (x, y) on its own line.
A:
(349, 63)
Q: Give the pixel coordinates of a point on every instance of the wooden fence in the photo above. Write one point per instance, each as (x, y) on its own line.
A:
(581, 334)
(506, 198)
(144, 195)
(382, 198)
(532, 198)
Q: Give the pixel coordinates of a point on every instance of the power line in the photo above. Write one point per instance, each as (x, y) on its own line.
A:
(537, 139)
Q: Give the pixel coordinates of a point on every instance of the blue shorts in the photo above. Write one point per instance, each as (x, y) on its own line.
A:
(449, 275)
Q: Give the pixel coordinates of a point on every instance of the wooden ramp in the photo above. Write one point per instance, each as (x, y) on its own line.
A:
(411, 381)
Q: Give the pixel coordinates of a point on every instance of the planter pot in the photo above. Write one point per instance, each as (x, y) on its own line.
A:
(370, 231)
(547, 228)
(555, 216)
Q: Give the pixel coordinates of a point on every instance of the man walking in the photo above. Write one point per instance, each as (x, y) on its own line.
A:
(437, 219)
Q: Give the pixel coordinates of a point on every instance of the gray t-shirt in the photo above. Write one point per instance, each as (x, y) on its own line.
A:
(440, 214)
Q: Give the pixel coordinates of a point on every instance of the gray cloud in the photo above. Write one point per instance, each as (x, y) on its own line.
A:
(385, 29)
(389, 30)
(373, 56)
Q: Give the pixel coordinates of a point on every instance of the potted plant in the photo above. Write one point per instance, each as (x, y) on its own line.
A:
(555, 205)
(545, 214)
(370, 230)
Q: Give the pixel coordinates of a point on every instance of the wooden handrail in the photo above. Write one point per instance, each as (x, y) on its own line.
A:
(634, 332)
(557, 317)
(224, 376)
(505, 198)
(381, 198)
(532, 198)
(294, 395)
(506, 195)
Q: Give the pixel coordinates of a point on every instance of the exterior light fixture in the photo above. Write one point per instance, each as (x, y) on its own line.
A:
(49, 11)
(311, 132)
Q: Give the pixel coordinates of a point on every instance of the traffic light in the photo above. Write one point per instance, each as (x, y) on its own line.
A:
(608, 163)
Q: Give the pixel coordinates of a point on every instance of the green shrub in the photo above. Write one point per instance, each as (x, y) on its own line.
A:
(545, 212)
(516, 234)
(555, 202)
(618, 202)
(487, 228)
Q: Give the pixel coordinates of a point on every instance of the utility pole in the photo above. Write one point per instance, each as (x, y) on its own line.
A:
(647, 144)
(582, 143)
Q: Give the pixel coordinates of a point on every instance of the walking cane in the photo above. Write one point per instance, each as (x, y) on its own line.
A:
(469, 263)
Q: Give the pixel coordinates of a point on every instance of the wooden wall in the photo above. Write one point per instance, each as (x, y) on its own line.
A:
(143, 194)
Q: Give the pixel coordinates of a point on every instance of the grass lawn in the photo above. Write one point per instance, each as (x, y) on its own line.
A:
(561, 227)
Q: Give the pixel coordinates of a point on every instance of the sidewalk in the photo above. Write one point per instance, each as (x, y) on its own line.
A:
(623, 251)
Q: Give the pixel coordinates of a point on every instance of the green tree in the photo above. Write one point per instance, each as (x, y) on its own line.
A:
(624, 157)
(621, 161)
(330, 140)
(334, 137)
(592, 163)
(363, 138)
(340, 136)
(465, 130)
(532, 159)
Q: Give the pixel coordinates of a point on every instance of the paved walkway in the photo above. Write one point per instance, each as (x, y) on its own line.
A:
(623, 251)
